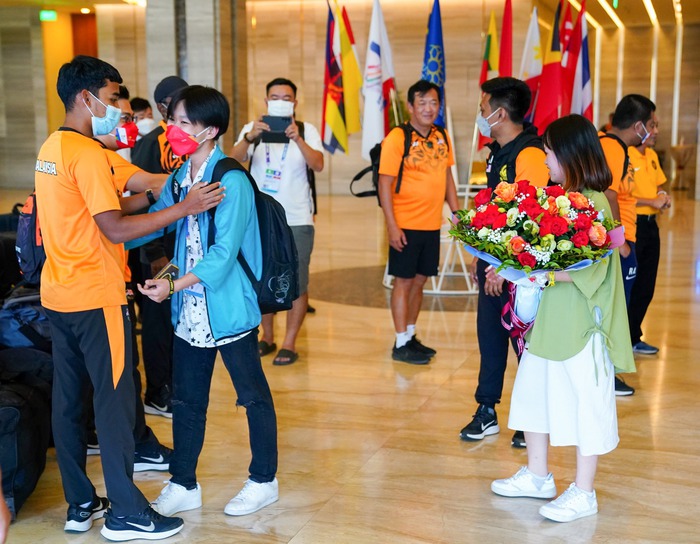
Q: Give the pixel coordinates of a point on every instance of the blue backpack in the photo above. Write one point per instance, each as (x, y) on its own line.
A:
(30, 246)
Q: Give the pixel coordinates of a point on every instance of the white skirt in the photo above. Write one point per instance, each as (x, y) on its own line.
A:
(566, 399)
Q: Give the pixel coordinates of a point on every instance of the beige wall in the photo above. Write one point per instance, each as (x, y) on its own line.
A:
(23, 110)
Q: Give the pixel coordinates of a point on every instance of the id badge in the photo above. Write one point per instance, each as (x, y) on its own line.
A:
(196, 290)
(271, 183)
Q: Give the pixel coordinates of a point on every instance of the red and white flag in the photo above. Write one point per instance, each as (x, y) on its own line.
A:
(531, 66)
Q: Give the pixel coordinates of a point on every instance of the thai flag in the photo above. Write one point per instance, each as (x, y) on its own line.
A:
(582, 96)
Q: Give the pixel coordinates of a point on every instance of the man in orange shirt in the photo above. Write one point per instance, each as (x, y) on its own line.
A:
(516, 154)
(82, 289)
(634, 121)
(414, 212)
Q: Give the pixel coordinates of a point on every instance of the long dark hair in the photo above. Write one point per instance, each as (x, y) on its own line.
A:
(575, 142)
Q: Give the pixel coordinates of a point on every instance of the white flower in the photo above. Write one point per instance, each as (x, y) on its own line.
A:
(483, 233)
(508, 235)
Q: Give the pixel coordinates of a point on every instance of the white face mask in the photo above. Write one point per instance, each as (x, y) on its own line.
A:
(280, 108)
(101, 126)
(146, 125)
(646, 134)
(483, 124)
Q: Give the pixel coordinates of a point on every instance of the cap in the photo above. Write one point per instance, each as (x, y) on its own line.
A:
(167, 87)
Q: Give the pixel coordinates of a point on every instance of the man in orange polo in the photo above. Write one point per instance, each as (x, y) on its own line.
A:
(634, 121)
(82, 289)
(414, 212)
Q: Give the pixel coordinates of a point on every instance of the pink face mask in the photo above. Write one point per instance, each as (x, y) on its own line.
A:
(181, 142)
(126, 135)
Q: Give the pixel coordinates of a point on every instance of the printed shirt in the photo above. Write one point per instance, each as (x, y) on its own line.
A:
(622, 184)
(648, 177)
(74, 182)
(419, 202)
(292, 188)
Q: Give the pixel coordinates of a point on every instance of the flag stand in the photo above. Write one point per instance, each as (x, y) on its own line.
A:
(453, 264)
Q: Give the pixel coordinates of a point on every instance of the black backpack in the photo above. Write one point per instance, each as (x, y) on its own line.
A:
(375, 158)
(30, 246)
(278, 286)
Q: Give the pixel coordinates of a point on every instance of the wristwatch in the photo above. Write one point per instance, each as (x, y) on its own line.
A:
(149, 196)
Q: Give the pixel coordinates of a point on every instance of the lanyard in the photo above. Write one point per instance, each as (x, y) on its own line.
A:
(267, 155)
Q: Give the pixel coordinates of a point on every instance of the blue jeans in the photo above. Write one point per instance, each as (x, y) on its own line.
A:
(192, 372)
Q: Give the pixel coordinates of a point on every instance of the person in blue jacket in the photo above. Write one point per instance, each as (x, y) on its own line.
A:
(214, 308)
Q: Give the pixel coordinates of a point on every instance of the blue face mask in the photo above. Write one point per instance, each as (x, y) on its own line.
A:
(102, 126)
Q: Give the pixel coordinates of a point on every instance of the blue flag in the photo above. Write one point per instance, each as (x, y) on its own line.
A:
(434, 58)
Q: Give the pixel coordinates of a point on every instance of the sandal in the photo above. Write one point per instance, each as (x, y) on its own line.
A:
(285, 357)
(264, 348)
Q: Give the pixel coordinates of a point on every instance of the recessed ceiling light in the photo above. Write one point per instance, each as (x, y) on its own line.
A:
(84, 11)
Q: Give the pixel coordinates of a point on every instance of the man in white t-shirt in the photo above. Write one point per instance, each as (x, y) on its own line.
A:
(280, 168)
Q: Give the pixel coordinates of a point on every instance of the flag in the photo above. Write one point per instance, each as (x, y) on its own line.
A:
(505, 61)
(567, 28)
(531, 67)
(489, 65)
(378, 83)
(352, 75)
(434, 58)
(548, 104)
(581, 99)
(333, 131)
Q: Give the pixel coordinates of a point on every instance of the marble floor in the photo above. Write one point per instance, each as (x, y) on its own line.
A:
(369, 448)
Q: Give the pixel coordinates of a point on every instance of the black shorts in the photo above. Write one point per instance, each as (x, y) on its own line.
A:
(420, 255)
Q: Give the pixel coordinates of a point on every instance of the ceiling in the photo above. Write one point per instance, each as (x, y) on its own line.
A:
(631, 12)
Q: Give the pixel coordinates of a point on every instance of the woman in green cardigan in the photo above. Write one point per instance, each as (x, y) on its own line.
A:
(564, 390)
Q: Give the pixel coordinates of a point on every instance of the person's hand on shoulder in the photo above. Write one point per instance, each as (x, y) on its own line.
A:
(203, 196)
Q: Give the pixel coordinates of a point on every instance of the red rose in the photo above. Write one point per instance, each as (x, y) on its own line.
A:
(580, 239)
(559, 226)
(531, 207)
(500, 221)
(545, 225)
(482, 197)
(583, 222)
(524, 188)
(526, 259)
(490, 214)
(554, 191)
(477, 221)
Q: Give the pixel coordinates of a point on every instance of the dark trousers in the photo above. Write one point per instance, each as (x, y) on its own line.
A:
(156, 343)
(145, 440)
(629, 271)
(192, 372)
(83, 348)
(493, 341)
(648, 249)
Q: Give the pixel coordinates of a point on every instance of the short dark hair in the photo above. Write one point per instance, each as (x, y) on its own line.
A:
(84, 72)
(575, 142)
(421, 88)
(123, 92)
(511, 94)
(632, 108)
(139, 104)
(204, 105)
(281, 81)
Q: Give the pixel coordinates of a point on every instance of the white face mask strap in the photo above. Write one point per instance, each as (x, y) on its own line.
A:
(494, 112)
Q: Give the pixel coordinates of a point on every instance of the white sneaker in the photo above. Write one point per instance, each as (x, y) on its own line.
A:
(176, 498)
(574, 503)
(525, 484)
(252, 498)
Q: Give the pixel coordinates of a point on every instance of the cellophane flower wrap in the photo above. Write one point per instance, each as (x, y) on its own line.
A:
(530, 228)
(520, 230)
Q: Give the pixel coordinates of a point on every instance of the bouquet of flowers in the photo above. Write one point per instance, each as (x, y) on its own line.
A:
(527, 228)
(520, 230)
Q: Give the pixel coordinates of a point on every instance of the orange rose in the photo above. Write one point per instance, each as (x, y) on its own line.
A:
(506, 191)
(597, 234)
(578, 201)
(552, 210)
(517, 244)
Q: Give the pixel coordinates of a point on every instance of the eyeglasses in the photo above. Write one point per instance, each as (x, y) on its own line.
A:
(127, 118)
